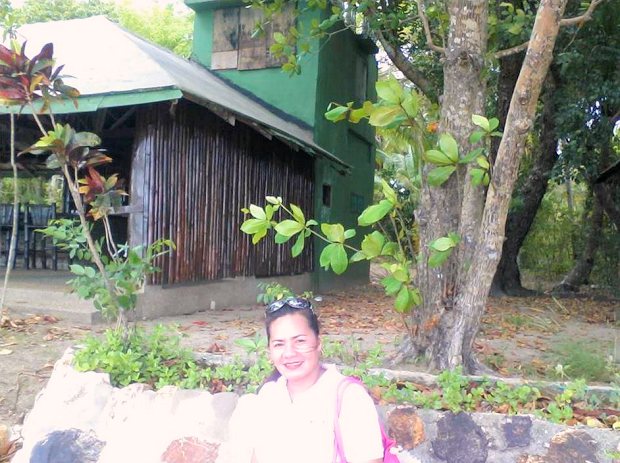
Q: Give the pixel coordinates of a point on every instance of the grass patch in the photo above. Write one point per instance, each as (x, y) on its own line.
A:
(588, 361)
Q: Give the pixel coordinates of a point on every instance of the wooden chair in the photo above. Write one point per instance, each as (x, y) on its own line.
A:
(6, 229)
(38, 216)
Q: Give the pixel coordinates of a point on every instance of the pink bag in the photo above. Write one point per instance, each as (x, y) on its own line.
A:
(388, 443)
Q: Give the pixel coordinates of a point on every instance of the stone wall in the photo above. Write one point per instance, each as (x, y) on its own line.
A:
(81, 418)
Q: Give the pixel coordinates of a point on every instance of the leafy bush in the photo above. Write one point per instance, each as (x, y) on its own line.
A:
(158, 359)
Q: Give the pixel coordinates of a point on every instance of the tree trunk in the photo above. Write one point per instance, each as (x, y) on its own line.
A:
(508, 277)
(580, 273)
(440, 207)
(456, 294)
(605, 195)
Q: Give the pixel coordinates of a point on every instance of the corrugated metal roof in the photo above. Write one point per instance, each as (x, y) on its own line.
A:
(113, 67)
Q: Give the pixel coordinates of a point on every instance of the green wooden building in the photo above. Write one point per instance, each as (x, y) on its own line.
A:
(340, 69)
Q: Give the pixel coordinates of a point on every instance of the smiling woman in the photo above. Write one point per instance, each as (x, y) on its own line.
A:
(296, 413)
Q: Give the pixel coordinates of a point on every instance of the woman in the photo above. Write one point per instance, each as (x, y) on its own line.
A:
(297, 410)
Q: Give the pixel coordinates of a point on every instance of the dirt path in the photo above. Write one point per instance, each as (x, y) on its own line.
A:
(518, 336)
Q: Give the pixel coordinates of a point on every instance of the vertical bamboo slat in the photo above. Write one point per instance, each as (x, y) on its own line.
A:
(201, 172)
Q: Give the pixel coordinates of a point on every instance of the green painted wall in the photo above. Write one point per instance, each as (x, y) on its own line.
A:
(347, 72)
(294, 95)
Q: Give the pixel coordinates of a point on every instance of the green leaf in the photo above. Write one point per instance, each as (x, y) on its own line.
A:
(77, 269)
(373, 244)
(350, 233)
(439, 175)
(390, 249)
(438, 257)
(442, 244)
(479, 176)
(357, 115)
(298, 247)
(252, 226)
(411, 104)
(448, 145)
(298, 214)
(274, 200)
(415, 296)
(90, 272)
(311, 222)
(334, 256)
(402, 303)
(339, 260)
(476, 136)
(259, 235)
(391, 285)
(483, 162)
(333, 232)
(389, 90)
(388, 192)
(383, 116)
(438, 158)
(401, 274)
(339, 113)
(372, 214)
(289, 227)
(257, 212)
(357, 257)
(281, 239)
(481, 122)
(279, 37)
(471, 156)
(493, 124)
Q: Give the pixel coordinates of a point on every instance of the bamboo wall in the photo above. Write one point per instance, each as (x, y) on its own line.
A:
(198, 172)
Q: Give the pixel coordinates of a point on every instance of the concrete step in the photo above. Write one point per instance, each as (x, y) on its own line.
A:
(46, 292)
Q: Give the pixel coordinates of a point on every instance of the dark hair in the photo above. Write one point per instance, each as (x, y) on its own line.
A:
(308, 314)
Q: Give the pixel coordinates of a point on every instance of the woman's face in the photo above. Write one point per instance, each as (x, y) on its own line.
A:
(295, 349)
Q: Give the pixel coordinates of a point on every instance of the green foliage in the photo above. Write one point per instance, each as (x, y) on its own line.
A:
(165, 26)
(55, 10)
(162, 25)
(126, 269)
(580, 360)
(157, 358)
(271, 292)
(560, 409)
(154, 358)
(556, 238)
(35, 190)
(516, 398)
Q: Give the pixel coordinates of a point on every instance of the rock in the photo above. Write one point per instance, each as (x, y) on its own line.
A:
(460, 440)
(572, 446)
(68, 446)
(406, 427)
(191, 450)
(517, 431)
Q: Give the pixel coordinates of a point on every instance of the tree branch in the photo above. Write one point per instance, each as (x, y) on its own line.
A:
(511, 51)
(427, 29)
(587, 16)
(403, 65)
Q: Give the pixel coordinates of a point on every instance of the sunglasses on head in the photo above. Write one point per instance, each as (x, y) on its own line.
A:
(294, 302)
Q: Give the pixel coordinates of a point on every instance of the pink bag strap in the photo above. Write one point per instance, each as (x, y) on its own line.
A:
(339, 454)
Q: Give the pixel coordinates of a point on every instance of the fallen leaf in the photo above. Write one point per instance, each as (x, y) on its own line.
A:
(5, 351)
